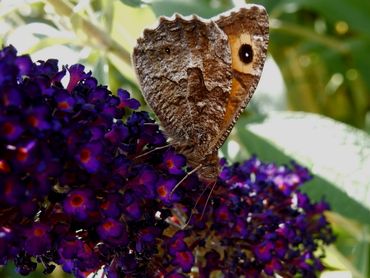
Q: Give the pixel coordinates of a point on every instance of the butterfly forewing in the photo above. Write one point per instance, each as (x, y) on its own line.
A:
(248, 34)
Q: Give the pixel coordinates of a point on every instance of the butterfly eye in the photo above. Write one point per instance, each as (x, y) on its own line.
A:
(246, 53)
(167, 50)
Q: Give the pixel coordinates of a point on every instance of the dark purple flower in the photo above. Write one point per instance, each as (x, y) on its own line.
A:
(118, 133)
(146, 239)
(184, 259)
(110, 206)
(64, 101)
(132, 206)
(145, 182)
(223, 215)
(240, 227)
(126, 101)
(10, 128)
(38, 117)
(273, 266)
(112, 231)
(24, 64)
(12, 190)
(76, 74)
(69, 248)
(25, 152)
(176, 243)
(164, 191)
(79, 203)
(37, 240)
(89, 156)
(11, 97)
(174, 162)
(263, 251)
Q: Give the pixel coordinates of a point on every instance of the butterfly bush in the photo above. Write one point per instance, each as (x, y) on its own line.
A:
(87, 182)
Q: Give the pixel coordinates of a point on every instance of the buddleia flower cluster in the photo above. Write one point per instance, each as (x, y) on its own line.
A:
(87, 183)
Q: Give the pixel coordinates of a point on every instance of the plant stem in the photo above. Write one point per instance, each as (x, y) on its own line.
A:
(308, 35)
(94, 34)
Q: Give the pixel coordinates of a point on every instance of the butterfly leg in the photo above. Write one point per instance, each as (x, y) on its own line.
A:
(184, 178)
(153, 150)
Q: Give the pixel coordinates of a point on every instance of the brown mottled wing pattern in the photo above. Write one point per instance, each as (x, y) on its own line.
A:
(184, 69)
(198, 75)
(246, 26)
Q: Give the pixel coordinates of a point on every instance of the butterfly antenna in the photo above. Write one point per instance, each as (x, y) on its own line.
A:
(152, 150)
(208, 198)
(184, 178)
(196, 203)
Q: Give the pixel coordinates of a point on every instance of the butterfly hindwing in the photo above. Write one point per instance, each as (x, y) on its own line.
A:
(184, 68)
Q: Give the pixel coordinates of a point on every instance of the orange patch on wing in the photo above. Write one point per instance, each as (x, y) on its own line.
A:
(233, 103)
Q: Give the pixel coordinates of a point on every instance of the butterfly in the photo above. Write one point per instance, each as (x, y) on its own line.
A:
(198, 75)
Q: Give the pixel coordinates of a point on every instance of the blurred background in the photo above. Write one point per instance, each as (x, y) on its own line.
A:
(312, 104)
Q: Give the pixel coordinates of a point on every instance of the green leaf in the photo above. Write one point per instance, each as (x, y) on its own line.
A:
(355, 12)
(100, 70)
(351, 250)
(338, 155)
(129, 23)
(203, 8)
(132, 3)
(320, 47)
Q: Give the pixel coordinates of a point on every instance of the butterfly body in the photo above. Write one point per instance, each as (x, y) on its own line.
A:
(195, 78)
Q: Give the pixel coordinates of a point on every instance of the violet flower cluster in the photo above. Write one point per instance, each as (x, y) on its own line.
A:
(86, 183)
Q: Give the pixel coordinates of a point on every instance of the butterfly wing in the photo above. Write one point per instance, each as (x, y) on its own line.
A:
(247, 30)
(184, 69)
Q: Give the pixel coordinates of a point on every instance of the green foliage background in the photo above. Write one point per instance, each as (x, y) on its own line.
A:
(321, 48)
